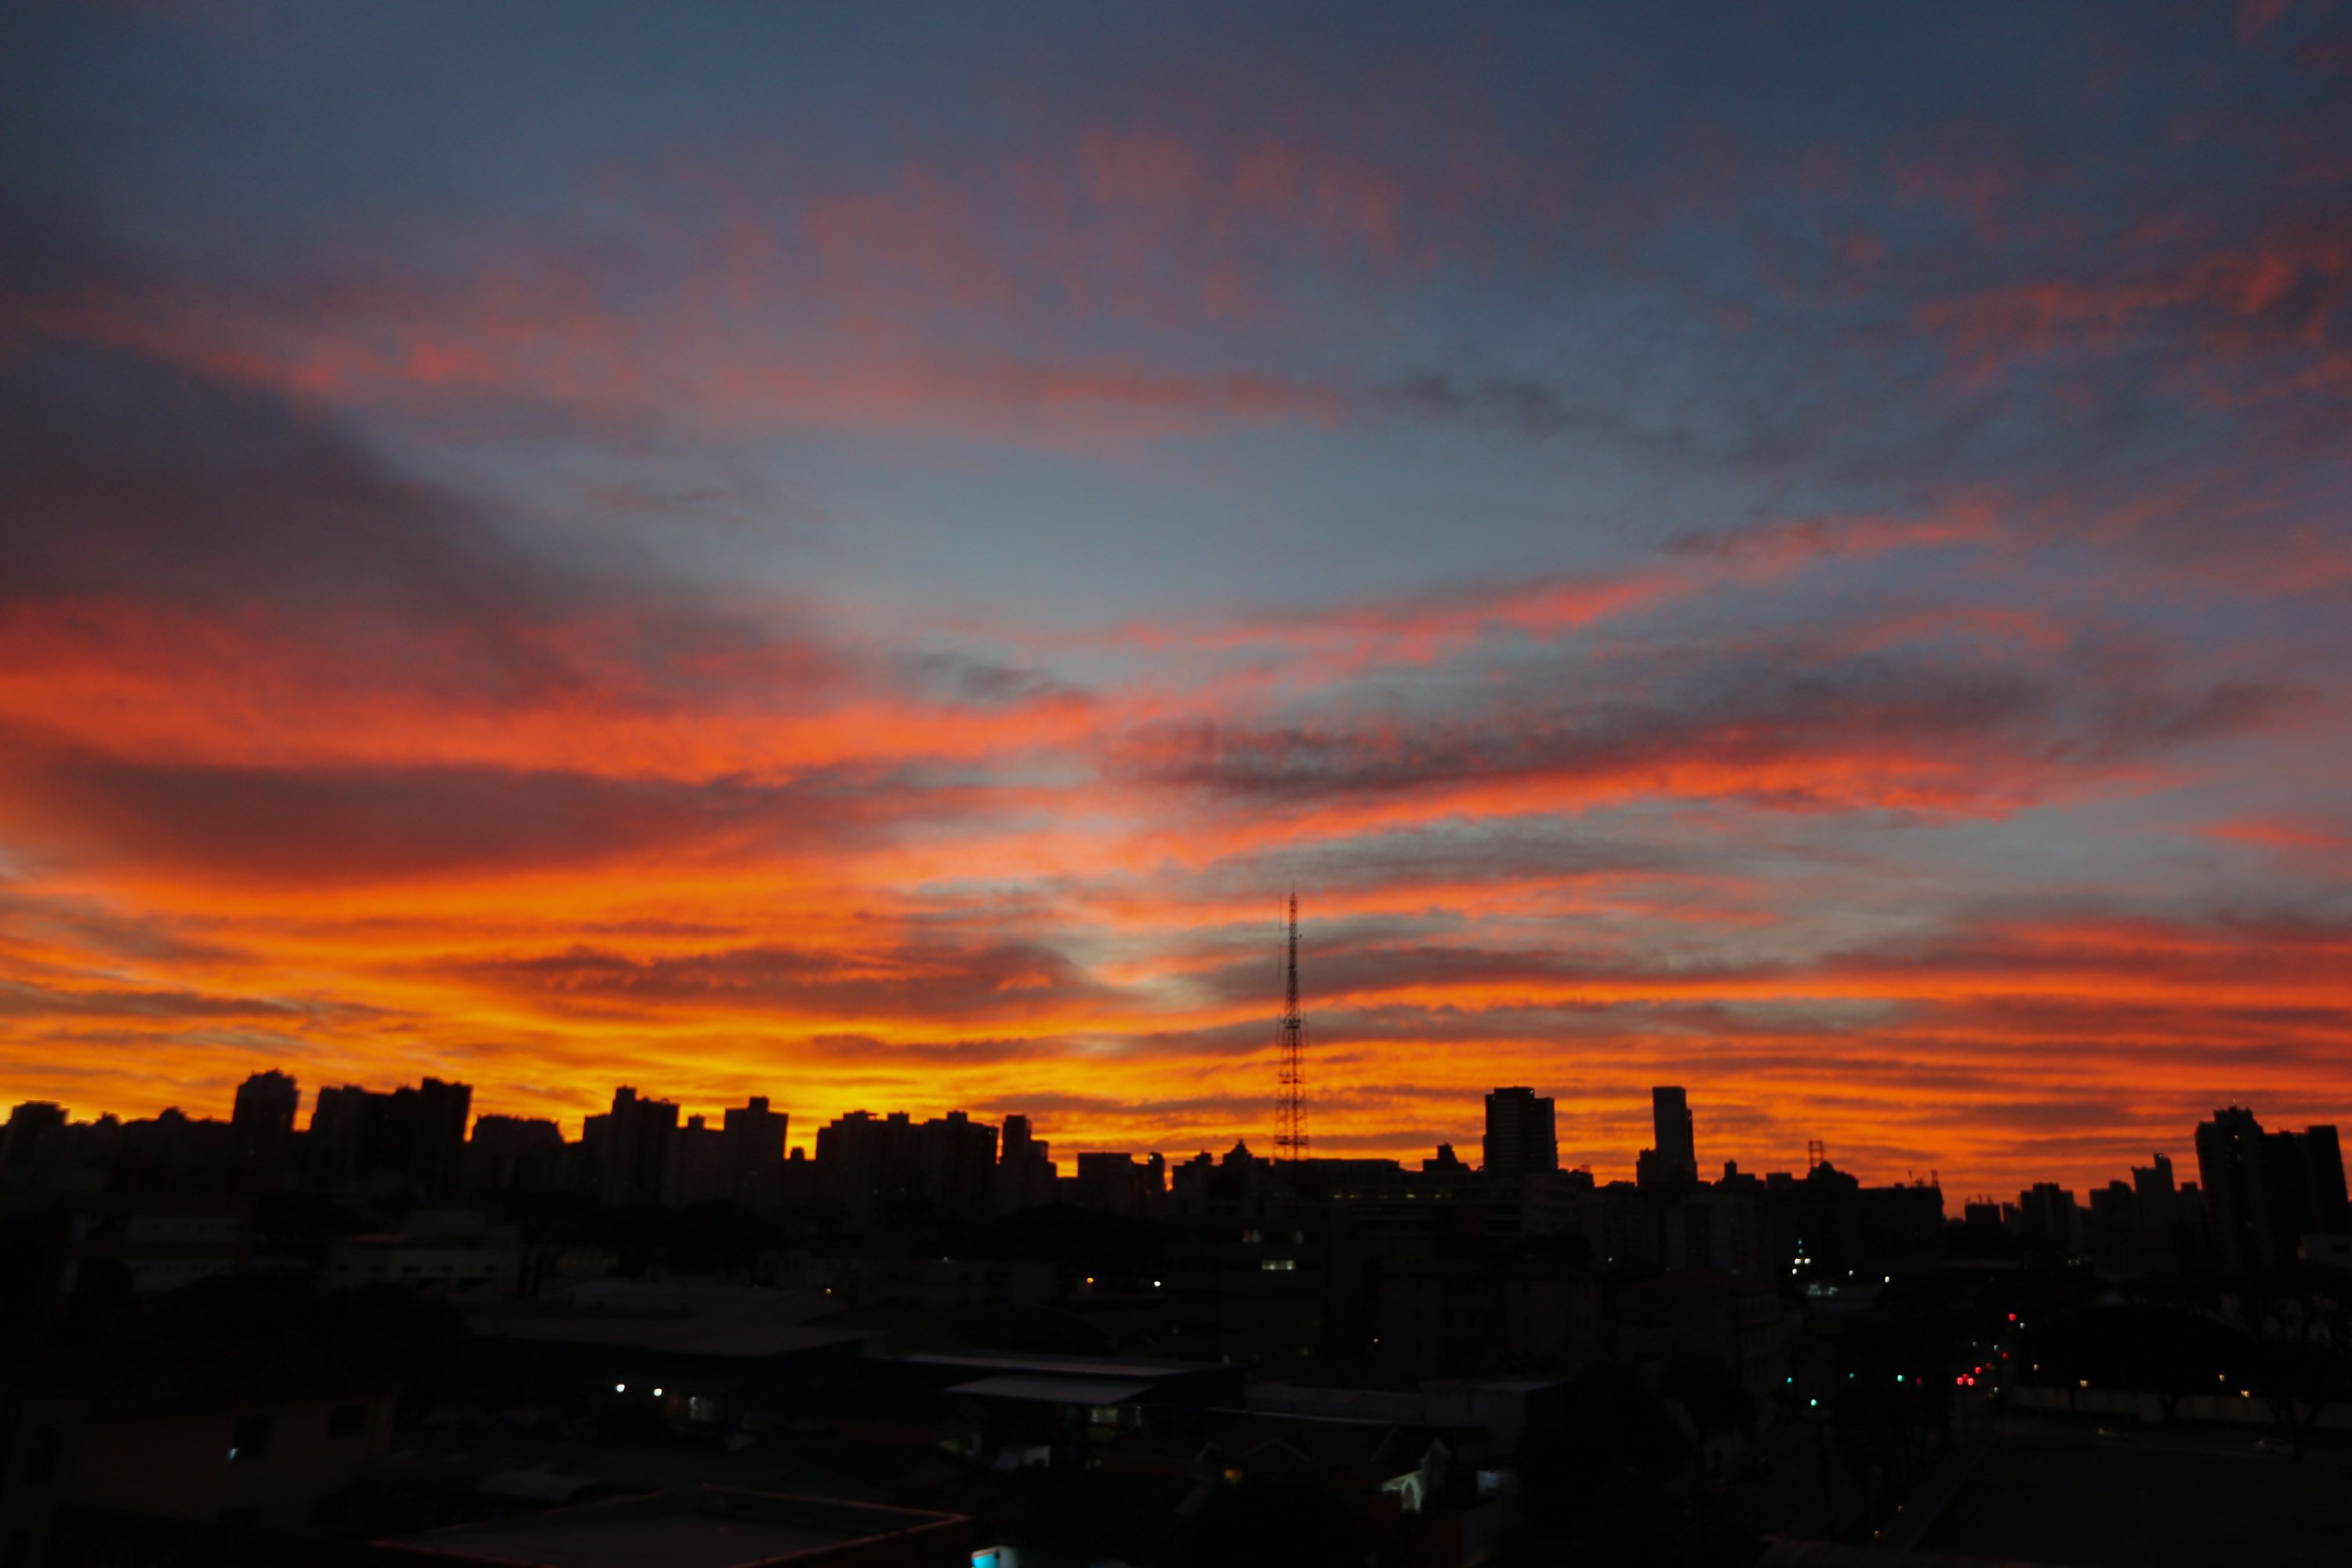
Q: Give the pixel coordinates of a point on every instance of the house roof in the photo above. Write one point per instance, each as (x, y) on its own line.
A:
(1088, 1391)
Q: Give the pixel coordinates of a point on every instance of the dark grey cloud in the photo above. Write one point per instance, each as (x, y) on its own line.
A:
(131, 475)
(350, 825)
(17, 1001)
(1750, 719)
(1538, 409)
(980, 981)
(978, 681)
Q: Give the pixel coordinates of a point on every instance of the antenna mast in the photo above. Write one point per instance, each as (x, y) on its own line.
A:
(1290, 1036)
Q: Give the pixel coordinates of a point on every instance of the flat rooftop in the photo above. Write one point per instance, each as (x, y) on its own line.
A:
(1094, 1391)
(707, 1526)
(1117, 1369)
(671, 1540)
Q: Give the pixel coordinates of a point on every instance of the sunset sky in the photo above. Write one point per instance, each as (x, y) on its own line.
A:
(857, 554)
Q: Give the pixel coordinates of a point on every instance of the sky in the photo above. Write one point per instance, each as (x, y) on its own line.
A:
(858, 555)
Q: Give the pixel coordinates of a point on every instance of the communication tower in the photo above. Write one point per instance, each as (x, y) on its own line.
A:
(1290, 1038)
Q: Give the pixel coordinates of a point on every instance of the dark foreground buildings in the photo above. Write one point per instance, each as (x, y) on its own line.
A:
(378, 1335)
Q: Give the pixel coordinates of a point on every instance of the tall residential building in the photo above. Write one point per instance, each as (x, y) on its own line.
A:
(410, 1139)
(956, 1163)
(2265, 1191)
(699, 1170)
(857, 1155)
(628, 1148)
(2153, 1191)
(515, 1154)
(2049, 1214)
(349, 1133)
(1024, 1169)
(1672, 1157)
(1522, 1133)
(436, 1115)
(265, 1104)
(1120, 1183)
(29, 1125)
(755, 1153)
(2323, 1167)
(263, 1122)
(2158, 1206)
(946, 1167)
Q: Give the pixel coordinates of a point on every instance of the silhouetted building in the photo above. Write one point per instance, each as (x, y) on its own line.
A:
(29, 1125)
(1672, 1160)
(2049, 1216)
(1120, 1183)
(515, 1154)
(755, 1153)
(628, 1148)
(1024, 1169)
(2158, 1200)
(944, 1168)
(1522, 1135)
(699, 1170)
(859, 1157)
(437, 1133)
(410, 1140)
(1829, 1222)
(57, 1158)
(172, 1151)
(2265, 1191)
(263, 1120)
(351, 1134)
(956, 1168)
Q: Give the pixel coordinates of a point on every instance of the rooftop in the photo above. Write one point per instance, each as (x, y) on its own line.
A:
(685, 1334)
(1064, 1365)
(706, 1527)
(1091, 1391)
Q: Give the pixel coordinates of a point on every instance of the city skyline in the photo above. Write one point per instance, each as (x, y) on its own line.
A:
(1800, 555)
(1523, 1120)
